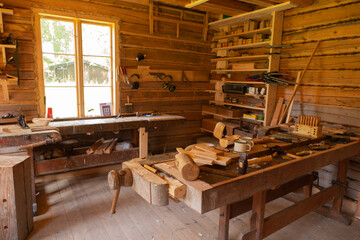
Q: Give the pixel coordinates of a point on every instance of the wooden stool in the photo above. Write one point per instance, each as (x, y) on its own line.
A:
(16, 213)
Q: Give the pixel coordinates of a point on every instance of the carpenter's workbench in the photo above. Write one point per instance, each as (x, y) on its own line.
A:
(252, 190)
(85, 132)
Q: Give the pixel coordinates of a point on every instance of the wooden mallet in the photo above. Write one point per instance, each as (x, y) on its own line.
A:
(116, 180)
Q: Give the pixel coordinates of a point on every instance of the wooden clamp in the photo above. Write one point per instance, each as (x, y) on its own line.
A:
(116, 180)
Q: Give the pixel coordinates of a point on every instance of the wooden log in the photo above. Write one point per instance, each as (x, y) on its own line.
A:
(187, 167)
(15, 193)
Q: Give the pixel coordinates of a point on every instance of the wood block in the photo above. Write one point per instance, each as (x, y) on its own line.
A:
(16, 216)
(230, 127)
(148, 185)
(177, 189)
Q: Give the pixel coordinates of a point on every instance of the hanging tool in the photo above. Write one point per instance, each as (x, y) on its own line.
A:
(134, 85)
(167, 84)
(282, 117)
(128, 106)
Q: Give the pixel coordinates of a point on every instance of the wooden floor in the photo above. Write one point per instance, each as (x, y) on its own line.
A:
(78, 208)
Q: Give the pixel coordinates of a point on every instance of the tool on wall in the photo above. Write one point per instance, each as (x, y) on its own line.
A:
(128, 106)
(136, 84)
(167, 84)
(140, 57)
(132, 85)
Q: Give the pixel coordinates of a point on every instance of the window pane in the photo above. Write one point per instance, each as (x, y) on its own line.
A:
(57, 36)
(93, 96)
(97, 71)
(59, 70)
(62, 101)
(96, 39)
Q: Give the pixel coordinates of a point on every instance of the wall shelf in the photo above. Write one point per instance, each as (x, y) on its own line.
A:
(248, 33)
(251, 45)
(238, 105)
(240, 82)
(242, 70)
(219, 115)
(240, 58)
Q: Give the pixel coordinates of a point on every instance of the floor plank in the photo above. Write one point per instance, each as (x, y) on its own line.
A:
(78, 208)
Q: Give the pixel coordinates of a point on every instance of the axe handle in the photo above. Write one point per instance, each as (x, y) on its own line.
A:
(260, 159)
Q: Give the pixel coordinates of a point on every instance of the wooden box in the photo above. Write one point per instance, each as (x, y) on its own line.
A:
(209, 124)
(230, 127)
(16, 216)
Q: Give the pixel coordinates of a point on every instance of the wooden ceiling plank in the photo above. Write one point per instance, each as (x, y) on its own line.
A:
(222, 6)
(262, 3)
(257, 14)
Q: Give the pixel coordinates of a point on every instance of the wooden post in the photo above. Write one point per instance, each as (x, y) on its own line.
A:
(224, 218)
(143, 143)
(5, 90)
(151, 17)
(15, 205)
(341, 179)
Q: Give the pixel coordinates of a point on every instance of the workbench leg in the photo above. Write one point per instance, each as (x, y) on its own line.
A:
(307, 190)
(335, 211)
(143, 143)
(341, 179)
(357, 212)
(224, 217)
(256, 219)
(30, 152)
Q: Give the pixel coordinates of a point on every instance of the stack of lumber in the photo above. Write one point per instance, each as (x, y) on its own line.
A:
(207, 155)
(102, 146)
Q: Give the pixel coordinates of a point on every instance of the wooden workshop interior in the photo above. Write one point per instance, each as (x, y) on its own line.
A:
(187, 119)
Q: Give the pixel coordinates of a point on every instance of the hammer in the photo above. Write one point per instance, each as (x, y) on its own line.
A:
(243, 162)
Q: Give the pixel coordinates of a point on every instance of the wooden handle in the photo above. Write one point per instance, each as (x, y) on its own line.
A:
(187, 167)
(260, 159)
(38, 144)
(297, 85)
(114, 202)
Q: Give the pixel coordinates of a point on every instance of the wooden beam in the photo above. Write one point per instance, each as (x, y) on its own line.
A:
(281, 219)
(262, 3)
(143, 143)
(228, 7)
(257, 14)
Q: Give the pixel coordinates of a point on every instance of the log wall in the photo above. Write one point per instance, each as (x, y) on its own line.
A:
(163, 53)
(331, 87)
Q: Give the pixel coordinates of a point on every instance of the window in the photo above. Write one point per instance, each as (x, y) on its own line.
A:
(77, 64)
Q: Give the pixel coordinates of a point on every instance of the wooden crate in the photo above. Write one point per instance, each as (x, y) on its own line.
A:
(16, 216)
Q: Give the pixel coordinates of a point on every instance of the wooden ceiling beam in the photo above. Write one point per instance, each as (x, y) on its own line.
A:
(261, 3)
(228, 7)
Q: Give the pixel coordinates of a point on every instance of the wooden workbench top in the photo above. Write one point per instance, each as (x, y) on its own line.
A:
(113, 124)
